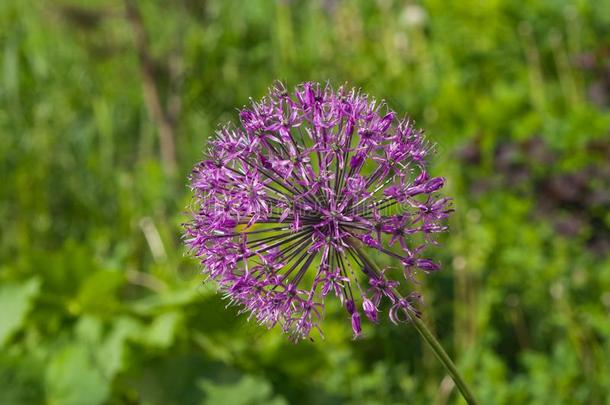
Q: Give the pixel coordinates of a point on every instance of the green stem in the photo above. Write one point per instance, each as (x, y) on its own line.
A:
(442, 355)
(428, 337)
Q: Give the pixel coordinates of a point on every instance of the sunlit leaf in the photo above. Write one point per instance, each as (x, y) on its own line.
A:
(73, 378)
(15, 302)
(248, 390)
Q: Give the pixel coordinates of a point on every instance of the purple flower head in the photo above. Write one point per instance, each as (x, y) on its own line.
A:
(288, 206)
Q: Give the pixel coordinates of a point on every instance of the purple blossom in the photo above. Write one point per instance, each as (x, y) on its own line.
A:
(286, 205)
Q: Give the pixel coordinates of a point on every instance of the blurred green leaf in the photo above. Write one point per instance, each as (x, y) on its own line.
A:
(16, 301)
(20, 380)
(73, 378)
(161, 333)
(111, 353)
(187, 294)
(98, 293)
(249, 390)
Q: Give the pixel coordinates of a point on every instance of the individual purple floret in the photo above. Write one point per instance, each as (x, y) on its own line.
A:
(288, 204)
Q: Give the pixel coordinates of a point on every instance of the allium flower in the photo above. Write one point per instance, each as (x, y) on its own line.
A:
(287, 204)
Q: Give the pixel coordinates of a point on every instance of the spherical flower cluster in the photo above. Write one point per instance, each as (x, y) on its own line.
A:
(288, 205)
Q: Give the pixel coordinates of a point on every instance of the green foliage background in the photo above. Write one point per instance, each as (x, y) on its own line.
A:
(98, 303)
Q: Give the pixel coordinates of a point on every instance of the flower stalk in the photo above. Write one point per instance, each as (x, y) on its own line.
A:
(428, 337)
(444, 358)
